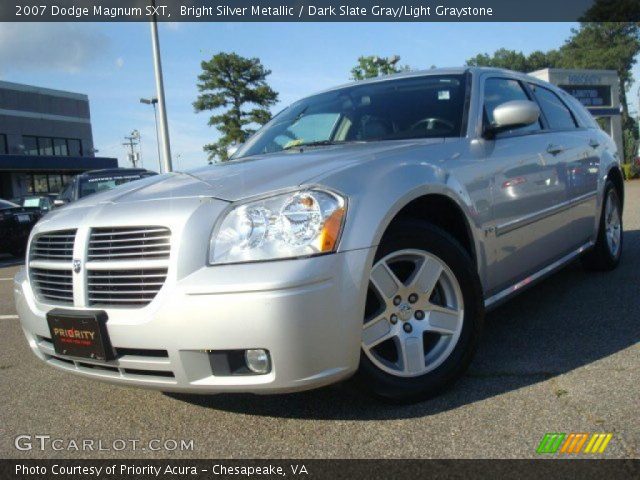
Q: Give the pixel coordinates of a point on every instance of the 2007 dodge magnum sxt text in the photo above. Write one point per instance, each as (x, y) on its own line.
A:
(363, 230)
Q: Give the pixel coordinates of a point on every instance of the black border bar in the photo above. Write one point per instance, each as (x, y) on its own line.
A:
(538, 469)
(319, 10)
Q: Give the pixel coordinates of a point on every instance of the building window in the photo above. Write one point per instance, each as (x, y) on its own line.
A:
(60, 147)
(40, 184)
(75, 147)
(30, 145)
(45, 146)
(55, 183)
(43, 183)
(3, 144)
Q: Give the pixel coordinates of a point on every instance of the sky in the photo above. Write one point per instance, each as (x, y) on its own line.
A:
(112, 64)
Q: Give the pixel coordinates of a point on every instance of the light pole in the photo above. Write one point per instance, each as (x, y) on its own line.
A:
(153, 102)
(157, 67)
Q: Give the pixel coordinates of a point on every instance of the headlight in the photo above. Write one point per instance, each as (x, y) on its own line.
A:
(302, 223)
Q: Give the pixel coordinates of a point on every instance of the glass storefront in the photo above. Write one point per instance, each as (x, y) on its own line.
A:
(43, 183)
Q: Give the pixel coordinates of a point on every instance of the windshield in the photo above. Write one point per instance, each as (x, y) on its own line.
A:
(89, 186)
(422, 107)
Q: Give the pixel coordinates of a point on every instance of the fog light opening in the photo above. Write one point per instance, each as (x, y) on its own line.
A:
(257, 360)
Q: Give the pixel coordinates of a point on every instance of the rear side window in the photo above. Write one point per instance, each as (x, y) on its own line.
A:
(500, 90)
(557, 113)
(580, 113)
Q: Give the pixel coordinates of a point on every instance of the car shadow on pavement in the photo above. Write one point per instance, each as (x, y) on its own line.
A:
(567, 321)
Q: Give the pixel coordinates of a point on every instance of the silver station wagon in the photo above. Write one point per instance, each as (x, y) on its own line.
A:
(364, 231)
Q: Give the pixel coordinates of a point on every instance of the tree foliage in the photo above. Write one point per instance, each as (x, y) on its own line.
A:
(374, 66)
(236, 87)
(518, 61)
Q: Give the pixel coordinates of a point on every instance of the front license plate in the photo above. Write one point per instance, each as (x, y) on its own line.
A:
(24, 218)
(80, 334)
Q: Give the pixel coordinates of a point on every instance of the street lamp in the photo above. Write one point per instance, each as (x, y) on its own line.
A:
(153, 102)
(157, 68)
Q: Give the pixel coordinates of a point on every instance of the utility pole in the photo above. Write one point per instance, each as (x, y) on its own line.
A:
(133, 141)
(162, 111)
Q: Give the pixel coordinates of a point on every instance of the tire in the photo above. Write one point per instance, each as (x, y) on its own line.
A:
(454, 306)
(603, 256)
(18, 252)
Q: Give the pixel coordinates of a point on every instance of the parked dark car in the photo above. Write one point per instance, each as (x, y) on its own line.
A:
(15, 225)
(96, 181)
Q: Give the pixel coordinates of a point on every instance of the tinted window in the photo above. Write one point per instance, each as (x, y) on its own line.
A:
(55, 183)
(40, 184)
(30, 145)
(423, 107)
(45, 146)
(556, 112)
(3, 144)
(75, 147)
(500, 90)
(66, 193)
(580, 113)
(60, 147)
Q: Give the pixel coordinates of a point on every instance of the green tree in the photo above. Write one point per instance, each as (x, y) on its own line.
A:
(518, 61)
(608, 46)
(374, 66)
(237, 85)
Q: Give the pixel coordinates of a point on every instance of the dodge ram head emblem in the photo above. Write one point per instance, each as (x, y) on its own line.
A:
(77, 265)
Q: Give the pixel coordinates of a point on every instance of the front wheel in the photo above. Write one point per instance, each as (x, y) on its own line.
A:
(423, 315)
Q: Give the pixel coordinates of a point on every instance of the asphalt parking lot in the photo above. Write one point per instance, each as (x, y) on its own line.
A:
(562, 357)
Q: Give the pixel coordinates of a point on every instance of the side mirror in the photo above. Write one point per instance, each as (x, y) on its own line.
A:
(513, 114)
(58, 202)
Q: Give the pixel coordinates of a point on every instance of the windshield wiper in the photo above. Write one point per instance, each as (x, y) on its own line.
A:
(316, 143)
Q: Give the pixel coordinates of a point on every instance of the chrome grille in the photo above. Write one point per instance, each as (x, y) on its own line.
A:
(129, 243)
(55, 286)
(57, 246)
(124, 288)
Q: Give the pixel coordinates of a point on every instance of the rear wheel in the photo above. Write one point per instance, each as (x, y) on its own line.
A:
(605, 255)
(423, 315)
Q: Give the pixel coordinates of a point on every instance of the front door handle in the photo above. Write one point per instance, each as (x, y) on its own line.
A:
(555, 149)
(594, 143)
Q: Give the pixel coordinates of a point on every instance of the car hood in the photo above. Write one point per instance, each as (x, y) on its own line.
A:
(252, 176)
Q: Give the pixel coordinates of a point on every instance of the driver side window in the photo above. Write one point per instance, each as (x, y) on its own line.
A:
(500, 90)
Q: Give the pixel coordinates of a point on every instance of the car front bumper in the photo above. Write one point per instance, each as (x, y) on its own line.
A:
(306, 312)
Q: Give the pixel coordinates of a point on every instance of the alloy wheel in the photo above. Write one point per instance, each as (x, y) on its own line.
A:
(613, 230)
(414, 313)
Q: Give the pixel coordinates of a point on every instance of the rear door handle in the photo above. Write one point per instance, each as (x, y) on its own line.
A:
(594, 143)
(555, 149)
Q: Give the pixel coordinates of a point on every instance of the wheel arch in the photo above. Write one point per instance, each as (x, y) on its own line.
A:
(442, 211)
(615, 175)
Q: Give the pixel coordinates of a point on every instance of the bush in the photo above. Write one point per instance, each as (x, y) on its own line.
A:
(631, 170)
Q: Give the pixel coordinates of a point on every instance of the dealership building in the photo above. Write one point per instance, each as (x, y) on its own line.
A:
(45, 138)
(597, 90)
